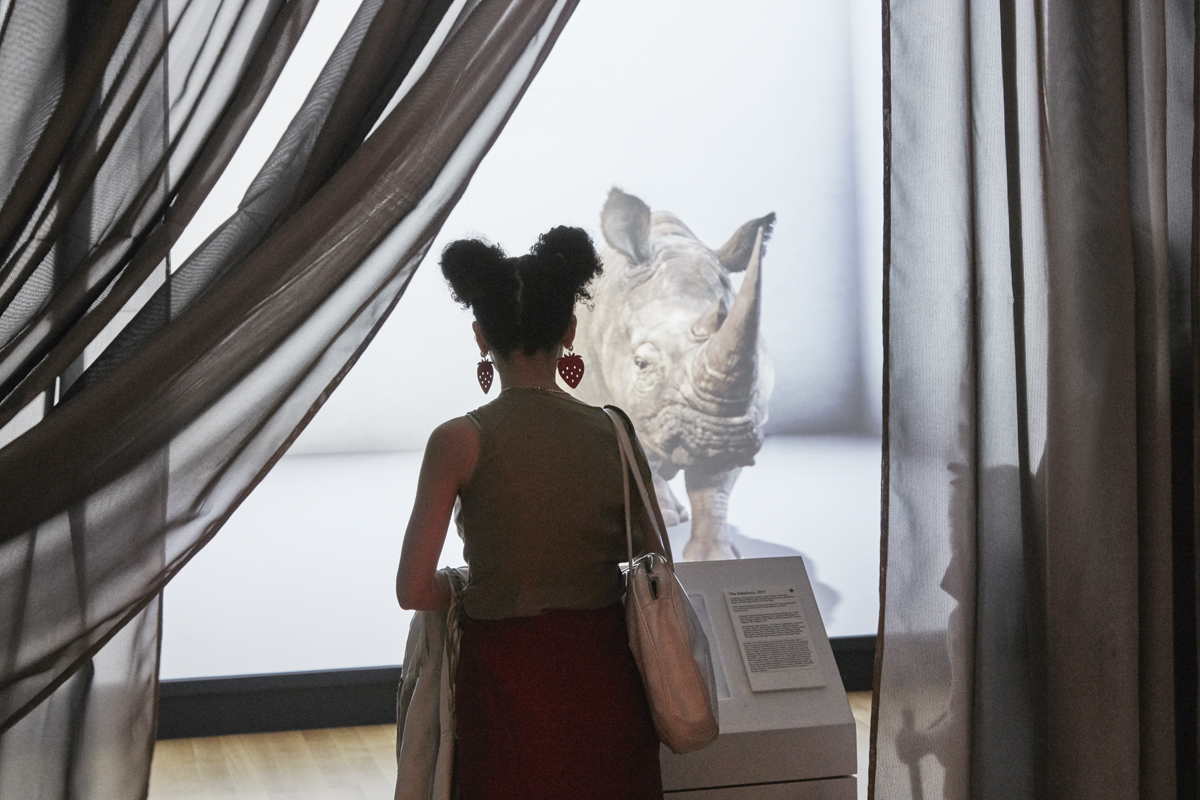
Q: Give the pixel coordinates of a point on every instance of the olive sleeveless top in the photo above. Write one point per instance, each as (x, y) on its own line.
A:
(543, 514)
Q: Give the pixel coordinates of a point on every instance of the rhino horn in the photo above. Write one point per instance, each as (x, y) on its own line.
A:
(735, 254)
(726, 368)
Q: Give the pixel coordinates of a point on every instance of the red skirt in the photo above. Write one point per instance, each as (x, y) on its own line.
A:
(552, 706)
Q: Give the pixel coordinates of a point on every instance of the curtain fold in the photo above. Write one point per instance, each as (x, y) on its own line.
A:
(141, 401)
(1037, 637)
(227, 63)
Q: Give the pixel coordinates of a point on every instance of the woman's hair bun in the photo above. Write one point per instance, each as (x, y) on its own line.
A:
(474, 269)
(567, 257)
(524, 302)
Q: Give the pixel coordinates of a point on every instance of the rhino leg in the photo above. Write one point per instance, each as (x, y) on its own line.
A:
(673, 511)
(709, 494)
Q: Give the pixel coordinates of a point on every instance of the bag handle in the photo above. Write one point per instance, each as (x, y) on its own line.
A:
(625, 487)
(629, 463)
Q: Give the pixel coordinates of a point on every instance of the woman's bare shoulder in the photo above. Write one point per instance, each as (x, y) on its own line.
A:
(455, 445)
(454, 434)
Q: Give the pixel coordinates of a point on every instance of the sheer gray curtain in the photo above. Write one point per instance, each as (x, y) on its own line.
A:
(128, 439)
(1038, 631)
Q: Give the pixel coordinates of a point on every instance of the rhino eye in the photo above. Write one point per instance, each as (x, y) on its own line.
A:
(647, 361)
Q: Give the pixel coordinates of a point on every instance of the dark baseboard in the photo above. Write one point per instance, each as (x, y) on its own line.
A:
(855, 657)
(347, 697)
(286, 701)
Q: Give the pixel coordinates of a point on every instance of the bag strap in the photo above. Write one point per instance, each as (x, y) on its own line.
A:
(625, 485)
(630, 463)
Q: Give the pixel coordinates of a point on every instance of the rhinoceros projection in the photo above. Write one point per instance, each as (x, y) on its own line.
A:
(668, 340)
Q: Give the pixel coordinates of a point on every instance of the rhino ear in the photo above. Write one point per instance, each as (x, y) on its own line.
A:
(735, 254)
(625, 222)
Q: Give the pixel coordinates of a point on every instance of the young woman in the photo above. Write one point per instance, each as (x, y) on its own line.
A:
(548, 699)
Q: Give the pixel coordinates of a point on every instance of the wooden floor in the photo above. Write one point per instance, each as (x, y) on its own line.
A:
(329, 764)
(333, 763)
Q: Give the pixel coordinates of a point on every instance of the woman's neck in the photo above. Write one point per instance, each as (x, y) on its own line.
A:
(522, 369)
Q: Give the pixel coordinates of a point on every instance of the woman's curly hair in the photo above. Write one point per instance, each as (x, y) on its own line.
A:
(523, 302)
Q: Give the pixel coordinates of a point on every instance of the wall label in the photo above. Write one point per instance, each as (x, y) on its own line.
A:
(775, 640)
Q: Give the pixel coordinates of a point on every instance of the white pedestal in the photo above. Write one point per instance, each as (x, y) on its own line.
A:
(844, 788)
(792, 743)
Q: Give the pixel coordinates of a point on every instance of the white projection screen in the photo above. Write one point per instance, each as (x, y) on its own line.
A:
(717, 112)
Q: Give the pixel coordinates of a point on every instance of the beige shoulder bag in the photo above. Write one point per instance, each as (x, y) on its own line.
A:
(668, 644)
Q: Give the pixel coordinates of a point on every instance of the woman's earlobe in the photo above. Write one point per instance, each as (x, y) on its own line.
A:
(569, 337)
(479, 340)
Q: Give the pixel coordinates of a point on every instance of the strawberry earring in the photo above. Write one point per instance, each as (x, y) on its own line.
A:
(484, 372)
(570, 367)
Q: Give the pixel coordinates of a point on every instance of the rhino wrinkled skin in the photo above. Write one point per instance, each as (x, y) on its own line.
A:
(668, 340)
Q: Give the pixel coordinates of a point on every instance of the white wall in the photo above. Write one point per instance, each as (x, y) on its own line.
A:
(717, 111)
(866, 43)
(302, 577)
(715, 114)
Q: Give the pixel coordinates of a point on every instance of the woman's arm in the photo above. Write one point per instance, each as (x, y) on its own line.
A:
(450, 458)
